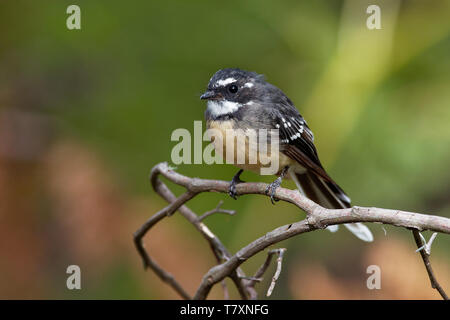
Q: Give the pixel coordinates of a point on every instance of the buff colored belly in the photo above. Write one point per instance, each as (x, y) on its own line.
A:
(244, 147)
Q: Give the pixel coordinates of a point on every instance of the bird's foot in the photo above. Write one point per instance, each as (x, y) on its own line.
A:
(271, 188)
(236, 180)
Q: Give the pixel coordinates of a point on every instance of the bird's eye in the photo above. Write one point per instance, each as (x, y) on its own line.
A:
(233, 88)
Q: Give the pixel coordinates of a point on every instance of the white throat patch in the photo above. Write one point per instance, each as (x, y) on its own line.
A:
(220, 107)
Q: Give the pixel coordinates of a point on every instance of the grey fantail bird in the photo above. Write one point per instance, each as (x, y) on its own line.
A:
(238, 99)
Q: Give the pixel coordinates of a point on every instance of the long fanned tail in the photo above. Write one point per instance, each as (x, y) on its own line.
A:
(329, 195)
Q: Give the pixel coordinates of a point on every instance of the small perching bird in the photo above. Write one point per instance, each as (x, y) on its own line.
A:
(239, 101)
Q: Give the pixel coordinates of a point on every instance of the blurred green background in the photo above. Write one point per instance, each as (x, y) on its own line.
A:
(85, 114)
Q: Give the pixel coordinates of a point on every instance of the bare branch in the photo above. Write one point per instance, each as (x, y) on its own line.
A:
(317, 217)
(217, 273)
(258, 277)
(148, 262)
(219, 250)
(226, 295)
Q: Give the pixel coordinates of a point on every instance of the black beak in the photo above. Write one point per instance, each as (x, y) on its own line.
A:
(210, 95)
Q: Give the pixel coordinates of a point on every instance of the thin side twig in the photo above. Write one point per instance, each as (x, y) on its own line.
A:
(217, 209)
(148, 261)
(426, 260)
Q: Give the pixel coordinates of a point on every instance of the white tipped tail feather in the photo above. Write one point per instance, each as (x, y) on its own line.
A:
(360, 230)
(330, 196)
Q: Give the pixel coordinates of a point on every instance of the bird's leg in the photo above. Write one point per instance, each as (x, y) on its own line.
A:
(234, 182)
(274, 185)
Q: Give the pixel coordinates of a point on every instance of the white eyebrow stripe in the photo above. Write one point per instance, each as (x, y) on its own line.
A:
(225, 82)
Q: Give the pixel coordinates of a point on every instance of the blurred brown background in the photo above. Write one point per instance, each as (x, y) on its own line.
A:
(85, 114)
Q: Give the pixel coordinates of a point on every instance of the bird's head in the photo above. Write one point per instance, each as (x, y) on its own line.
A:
(231, 89)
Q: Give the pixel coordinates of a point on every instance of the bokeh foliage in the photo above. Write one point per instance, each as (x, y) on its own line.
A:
(377, 101)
